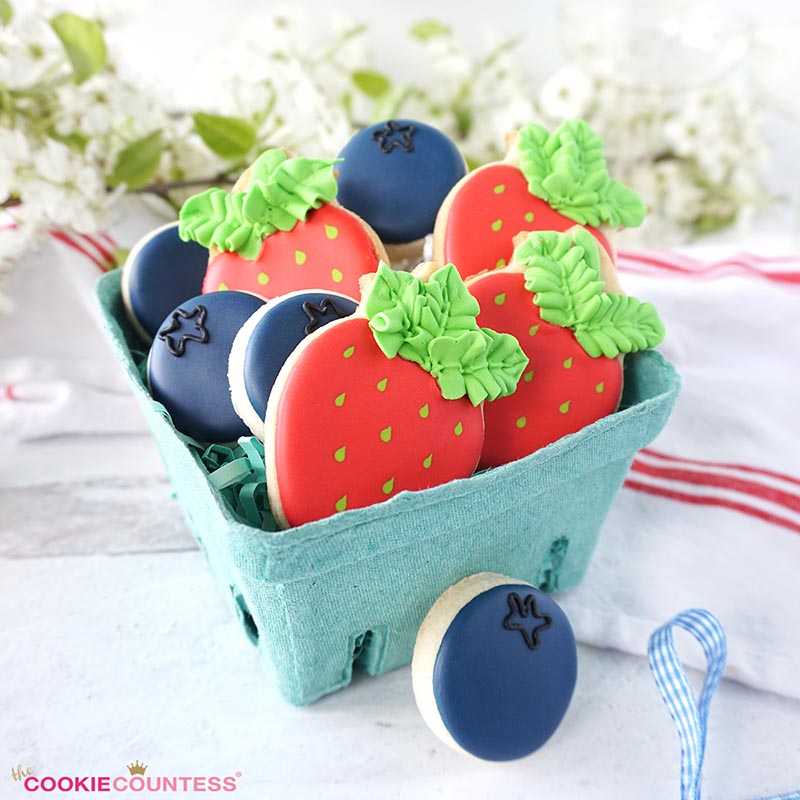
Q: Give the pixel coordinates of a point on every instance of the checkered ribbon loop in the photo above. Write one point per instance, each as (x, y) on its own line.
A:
(689, 715)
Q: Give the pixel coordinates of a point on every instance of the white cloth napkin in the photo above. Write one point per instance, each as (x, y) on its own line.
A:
(710, 514)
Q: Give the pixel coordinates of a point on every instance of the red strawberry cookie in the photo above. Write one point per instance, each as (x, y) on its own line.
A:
(552, 299)
(281, 231)
(387, 400)
(548, 181)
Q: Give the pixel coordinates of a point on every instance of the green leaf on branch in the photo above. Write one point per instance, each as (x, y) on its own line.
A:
(83, 42)
(120, 256)
(6, 12)
(429, 29)
(372, 84)
(228, 137)
(138, 163)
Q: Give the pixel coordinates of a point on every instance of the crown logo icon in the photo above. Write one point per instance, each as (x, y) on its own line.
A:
(136, 768)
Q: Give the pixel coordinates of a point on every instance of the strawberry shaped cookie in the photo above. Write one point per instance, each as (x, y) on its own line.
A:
(547, 182)
(280, 231)
(552, 299)
(387, 400)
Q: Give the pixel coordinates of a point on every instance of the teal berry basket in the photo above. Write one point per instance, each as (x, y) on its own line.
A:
(349, 592)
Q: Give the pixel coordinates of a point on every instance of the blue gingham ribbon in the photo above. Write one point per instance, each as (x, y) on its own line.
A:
(689, 716)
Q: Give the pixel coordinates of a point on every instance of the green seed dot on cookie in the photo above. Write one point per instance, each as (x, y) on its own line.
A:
(499, 299)
(533, 330)
(263, 278)
(340, 454)
(529, 217)
(528, 376)
(521, 422)
(299, 257)
(331, 231)
(600, 388)
(222, 287)
(426, 462)
(337, 276)
(382, 385)
(459, 429)
(339, 399)
(500, 188)
(341, 503)
(567, 363)
(386, 434)
(497, 224)
(564, 407)
(349, 352)
(501, 262)
(388, 487)
(424, 411)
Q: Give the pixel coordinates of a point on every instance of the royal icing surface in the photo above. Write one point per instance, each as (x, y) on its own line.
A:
(331, 250)
(188, 364)
(561, 390)
(487, 210)
(352, 427)
(505, 672)
(395, 175)
(282, 324)
(160, 272)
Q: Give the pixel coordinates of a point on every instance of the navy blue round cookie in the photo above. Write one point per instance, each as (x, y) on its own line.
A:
(187, 368)
(268, 338)
(395, 176)
(494, 667)
(160, 272)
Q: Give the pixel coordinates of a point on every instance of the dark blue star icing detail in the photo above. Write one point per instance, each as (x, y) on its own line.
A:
(199, 332)
(321, 313)
(387, 139)
(522, 614)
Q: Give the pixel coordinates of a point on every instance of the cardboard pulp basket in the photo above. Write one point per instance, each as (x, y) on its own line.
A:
(349, 592)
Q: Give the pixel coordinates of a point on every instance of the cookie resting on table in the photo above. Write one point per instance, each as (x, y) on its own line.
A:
(280, 230)
(386, 400)
(161, 271)
(552, 299)
(395, 175)
(494, 667)
(267, 339)
(187, 369)
(548, 181)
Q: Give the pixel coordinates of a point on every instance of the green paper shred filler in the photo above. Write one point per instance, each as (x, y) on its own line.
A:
(350, 592)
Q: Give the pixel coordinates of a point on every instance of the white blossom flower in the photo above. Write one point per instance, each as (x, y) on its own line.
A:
(566, 94)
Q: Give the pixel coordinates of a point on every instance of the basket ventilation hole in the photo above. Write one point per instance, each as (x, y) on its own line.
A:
(245, 617)
(361, 648)
(551, 566)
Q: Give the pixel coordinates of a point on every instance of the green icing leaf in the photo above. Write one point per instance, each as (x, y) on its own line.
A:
(283, 190)
(6, 12)
(621, 325)
(215, 219)
(434, 325)
(429, 29)
(563, 272)
(229, 137)
(83, 42)
(280, 194)
(138, 163)
(372, 84)
(568, 170)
